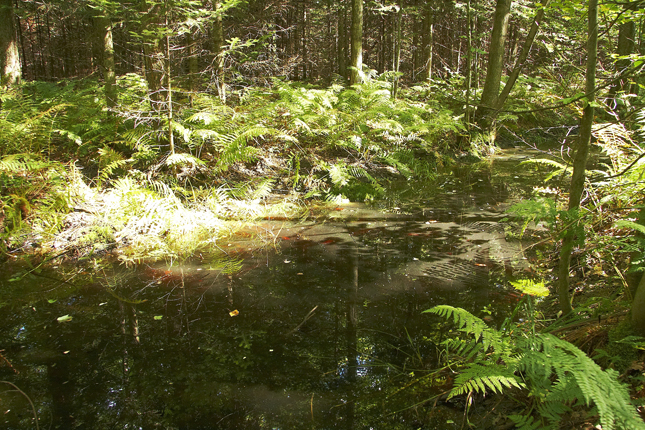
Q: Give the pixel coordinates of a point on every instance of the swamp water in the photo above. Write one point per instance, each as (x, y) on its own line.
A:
(323, 329)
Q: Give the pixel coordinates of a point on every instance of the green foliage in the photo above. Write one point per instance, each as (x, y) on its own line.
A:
(539, 210)
(557, 376)
(560, 169)
(34, 189)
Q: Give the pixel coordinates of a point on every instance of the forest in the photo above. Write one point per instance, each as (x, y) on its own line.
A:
(143, 142)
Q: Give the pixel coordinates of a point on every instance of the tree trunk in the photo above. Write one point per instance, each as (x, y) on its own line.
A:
(580, 160)
(625, 47)
(638, 308)
(528, 42)
(342, 39)
(154, 53)
(305, 55)
(397, 50)
(109, 74)
(356, 42)
(495, 62)
(218, 52)
(469, 63)
(10, 67)
(428, 29)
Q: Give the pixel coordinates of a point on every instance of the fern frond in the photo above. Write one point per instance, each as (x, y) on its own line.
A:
(481, 378)
(544, 162)
(630, 224)
(180, 159)
(526, 422)
(464, 320)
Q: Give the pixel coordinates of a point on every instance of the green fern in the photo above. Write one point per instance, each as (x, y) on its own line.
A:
(559, 167)
(480, 378)
(557, 375)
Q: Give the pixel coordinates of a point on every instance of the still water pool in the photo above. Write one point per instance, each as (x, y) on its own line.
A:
(321, 328)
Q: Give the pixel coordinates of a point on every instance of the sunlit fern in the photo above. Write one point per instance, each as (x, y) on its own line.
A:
(559, 376)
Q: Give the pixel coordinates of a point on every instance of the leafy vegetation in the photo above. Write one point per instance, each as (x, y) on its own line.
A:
(549, 376)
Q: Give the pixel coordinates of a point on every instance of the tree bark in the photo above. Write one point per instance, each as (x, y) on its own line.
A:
(10, 67)
(342, 40)
(495, 62)
(397, 50)
(638, 308)
(580, 160)
(356, 42)
(625, 47)
(154, 53)
(519, 63)
(428, 33)
(218, 52)
(109, 74)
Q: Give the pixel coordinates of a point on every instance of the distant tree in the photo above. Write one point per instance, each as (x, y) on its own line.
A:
(356, 41)
(152, 32)
(624, 48)
(427, 38)
(104, 11)
(10, 68)
(218, 50)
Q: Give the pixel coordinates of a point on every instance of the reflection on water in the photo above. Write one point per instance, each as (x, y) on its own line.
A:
(323, 331)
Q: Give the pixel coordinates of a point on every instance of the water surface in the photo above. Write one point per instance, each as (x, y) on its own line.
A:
(320, 328)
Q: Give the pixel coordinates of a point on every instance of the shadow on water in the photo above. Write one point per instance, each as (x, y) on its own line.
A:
(322, 331)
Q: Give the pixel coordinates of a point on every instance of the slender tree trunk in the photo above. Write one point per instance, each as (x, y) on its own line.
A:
(580, 160)
(625, 47)
(519, 63)
(342, 39)
(305, 54)
(638, 308)
(154, 53)
(21, 40)
(193, 72)
(416, 31)
(356, 42)
(10, 67)
(218, 52)
(171, 138)
(469, 62)
(397, 51)
(428, 33)
(495, 62)
(109, 74)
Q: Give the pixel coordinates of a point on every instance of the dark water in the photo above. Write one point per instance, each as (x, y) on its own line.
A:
(321, 328)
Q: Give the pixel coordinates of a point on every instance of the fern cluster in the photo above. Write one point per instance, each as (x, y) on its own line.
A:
(555, 376)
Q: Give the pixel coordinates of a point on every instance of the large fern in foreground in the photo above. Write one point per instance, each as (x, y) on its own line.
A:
(555, 375)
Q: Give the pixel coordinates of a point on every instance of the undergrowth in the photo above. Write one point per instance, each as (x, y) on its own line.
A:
(548, 377)
(276, 150)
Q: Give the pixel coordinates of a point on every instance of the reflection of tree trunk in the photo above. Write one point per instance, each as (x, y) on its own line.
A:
(62, 389)
(351, 335)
